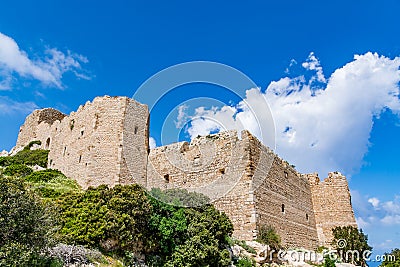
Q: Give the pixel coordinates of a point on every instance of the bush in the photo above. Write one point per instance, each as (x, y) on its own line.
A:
(17, 170)
(43, 176)
(180, 197)
(27, 157)
(328, 261)
(245, 262)
(110, 219)
(189, 236)
(347, 239)
(26, 225)
(268, 235)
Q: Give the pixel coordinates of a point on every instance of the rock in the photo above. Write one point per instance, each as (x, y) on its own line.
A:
(37, 168)
(4, 153)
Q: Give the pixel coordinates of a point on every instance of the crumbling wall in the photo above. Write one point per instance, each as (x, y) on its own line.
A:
(88, 144)
(254, 180)
(332, 205)
(214, 165)
(37, 126)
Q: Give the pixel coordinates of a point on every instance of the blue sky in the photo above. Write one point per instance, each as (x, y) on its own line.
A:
(65, 53)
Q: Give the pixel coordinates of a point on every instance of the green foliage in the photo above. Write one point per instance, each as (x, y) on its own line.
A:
(51, 183)
(17, 170)
(179, 197)
(26, 225)
(36, 142)
(188, 236)
(27, 157)
(349, 241)
(268, 235)
(110, 219)
(392, 259)
(328, 261)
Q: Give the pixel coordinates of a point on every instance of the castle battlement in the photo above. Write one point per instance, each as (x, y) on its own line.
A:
(106, 142)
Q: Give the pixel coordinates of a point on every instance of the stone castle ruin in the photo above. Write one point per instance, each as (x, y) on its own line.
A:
(106, 142)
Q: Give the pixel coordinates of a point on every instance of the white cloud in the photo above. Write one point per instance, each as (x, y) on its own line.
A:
(312, 63)
(152, 142)
(48, 70)
(374, 201)
(318, 129)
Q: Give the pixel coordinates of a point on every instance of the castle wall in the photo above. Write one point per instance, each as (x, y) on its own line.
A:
(87, 145)
(106, 142)
(332, 205)
(252, 178)
(283, 198)
(214, 165)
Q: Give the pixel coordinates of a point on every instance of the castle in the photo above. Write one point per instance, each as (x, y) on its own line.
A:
(106, 142)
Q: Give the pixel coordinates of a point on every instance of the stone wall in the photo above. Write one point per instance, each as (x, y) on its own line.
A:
(332, 205)
(283, 198)
(244, 179)
(88, 144)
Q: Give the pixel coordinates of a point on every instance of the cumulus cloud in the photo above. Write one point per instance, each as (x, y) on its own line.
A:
(152, 142)
(373, 211)
(48, 70)
(319, 127)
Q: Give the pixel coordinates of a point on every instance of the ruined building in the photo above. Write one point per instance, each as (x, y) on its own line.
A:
(106, 142)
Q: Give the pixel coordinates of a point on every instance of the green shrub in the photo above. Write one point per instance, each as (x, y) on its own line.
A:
(268, 235)
(189, 236)
(110, 219)
(26, 225)
(27, 157)
(17, 170)
(245, 262)
(328, 261)
(179, 197)
(43, 176)
(392, 259)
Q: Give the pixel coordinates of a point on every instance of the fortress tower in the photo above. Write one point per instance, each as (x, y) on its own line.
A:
(103, 142)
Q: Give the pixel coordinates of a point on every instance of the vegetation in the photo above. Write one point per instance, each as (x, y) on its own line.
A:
(27, 157)
(328, 261)
(392, 259)
(47, 220)
(268, 235)
(26, 225)
(245, 262)
(350, 244)
(17, 170)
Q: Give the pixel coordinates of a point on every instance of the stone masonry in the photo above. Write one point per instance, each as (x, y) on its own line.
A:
(106, 142)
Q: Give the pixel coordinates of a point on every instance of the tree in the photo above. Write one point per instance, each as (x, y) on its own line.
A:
(268, 235)
(26, 225)
(351, 244)
(196, 236)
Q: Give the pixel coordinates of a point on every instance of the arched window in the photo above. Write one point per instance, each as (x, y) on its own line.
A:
(166, 178)
(283, 208)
